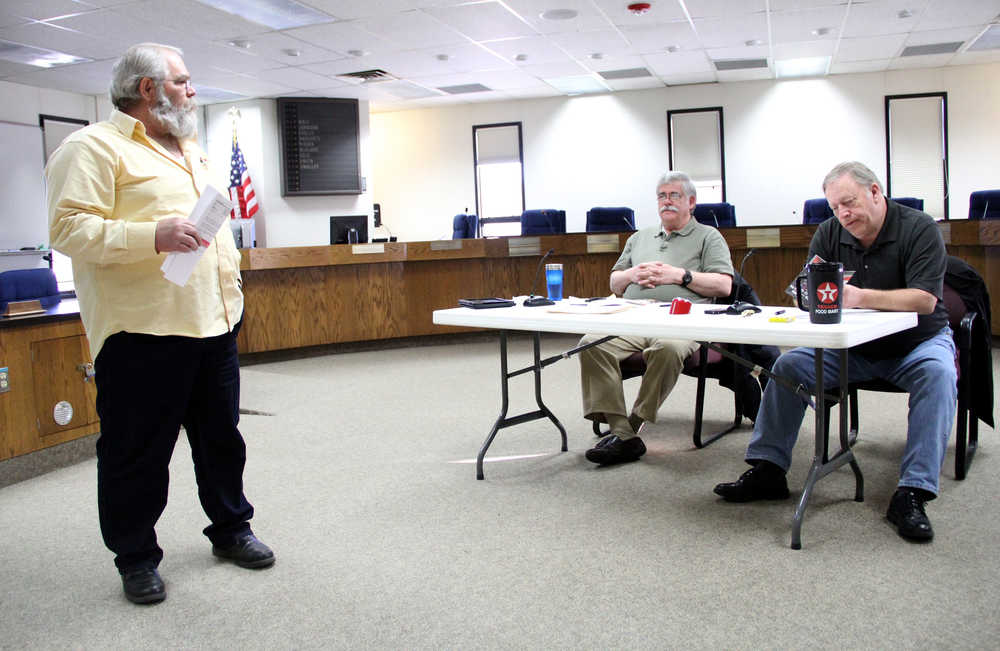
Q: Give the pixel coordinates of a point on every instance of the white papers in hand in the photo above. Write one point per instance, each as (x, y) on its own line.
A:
(208, 215)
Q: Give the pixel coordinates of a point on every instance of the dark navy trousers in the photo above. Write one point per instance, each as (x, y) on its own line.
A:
(148, 386)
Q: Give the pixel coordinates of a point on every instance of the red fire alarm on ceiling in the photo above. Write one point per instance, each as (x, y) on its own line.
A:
(639, 7)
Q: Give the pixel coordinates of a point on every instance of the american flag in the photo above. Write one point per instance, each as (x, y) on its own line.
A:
(240, 187)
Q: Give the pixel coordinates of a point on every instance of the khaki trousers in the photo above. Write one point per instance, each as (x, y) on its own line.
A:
(601, 377)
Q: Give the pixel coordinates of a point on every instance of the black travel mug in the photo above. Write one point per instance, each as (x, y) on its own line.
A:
(825, 282)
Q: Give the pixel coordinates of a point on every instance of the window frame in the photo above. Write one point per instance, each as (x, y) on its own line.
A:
(944, 135)
(475, 173)
(722, 139)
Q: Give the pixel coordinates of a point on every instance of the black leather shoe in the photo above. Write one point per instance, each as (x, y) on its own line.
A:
(247, 552)
(765, 481)
(906, 511)
(611, 450)
(143, 586)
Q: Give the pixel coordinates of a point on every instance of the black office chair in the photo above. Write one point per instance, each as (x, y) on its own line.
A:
(968, 304)
(464, 226)
(912, 202)
(720, 215)
(706, 363)
(610, 220)
(984, 204)
(543, 222)
(816, 211)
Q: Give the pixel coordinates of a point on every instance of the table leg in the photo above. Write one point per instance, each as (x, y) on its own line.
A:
(502, 420)
(819, 469)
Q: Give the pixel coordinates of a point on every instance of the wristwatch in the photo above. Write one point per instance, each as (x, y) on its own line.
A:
(686, 279)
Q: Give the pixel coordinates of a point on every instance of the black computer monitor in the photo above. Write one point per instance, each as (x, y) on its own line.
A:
(341, 225)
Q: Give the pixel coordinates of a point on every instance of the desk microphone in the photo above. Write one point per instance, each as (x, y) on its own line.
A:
(628, 223)
(538, 301)
(714, 217)
(749, 253)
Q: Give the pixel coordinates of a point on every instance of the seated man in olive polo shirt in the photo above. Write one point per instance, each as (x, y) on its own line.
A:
(677, 258)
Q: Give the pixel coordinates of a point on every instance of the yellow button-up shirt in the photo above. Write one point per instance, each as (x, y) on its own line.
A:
(108, 185)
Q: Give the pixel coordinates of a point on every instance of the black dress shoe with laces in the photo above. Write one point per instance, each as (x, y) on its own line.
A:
(611, 450)
(906, 511)
(765, 481)
(143, 586)
(247, 552)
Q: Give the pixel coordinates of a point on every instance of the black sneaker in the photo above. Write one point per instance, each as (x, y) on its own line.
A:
(247, 552)
(143, 585)
(611, 450)
(765, 481)
(906, 511)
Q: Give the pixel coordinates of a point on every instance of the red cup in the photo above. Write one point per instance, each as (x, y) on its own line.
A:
(680, 306)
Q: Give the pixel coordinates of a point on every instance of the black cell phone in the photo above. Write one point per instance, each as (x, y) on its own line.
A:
(485, 303)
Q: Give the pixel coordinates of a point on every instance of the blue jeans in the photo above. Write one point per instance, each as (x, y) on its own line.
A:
(927, 373)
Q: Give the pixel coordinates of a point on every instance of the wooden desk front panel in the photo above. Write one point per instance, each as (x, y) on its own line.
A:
(42, 359)
(328, 295)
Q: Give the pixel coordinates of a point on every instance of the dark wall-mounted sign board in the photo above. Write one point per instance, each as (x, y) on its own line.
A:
(320, 148)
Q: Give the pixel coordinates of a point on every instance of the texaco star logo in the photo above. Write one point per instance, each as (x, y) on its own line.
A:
(827, 293)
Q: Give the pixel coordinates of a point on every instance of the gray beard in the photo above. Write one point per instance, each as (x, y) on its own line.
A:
(180, 122)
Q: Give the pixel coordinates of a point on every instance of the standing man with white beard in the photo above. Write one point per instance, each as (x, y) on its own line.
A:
(120, 193)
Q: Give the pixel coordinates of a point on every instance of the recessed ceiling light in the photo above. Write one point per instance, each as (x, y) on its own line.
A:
(276, 14)
(36, 56)
(597, 56)
(671, 48)
(358, 53)
(521, 57)
(753, 42)
(558, 14)
(821, 31)
(904, 13)
(442, 57)
(805, 67)
(292, 52)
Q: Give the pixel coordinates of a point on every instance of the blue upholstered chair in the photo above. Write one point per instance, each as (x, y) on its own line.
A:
(610, 220)
(984, 204)
(543, 222)
(912, 202)
(720, 215)
(816, 211)
(464, 227)
(29, 284)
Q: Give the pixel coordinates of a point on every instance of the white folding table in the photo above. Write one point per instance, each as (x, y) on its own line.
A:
(654, 320)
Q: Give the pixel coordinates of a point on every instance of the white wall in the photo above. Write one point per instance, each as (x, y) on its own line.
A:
(282, 221)
(781, 138)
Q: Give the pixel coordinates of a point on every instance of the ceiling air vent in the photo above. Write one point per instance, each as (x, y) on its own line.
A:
(739, 64)
(366, 76)
(930, 48)
(464, 88)
(627, 73)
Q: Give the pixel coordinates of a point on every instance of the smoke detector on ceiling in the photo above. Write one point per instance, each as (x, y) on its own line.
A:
(639, 8)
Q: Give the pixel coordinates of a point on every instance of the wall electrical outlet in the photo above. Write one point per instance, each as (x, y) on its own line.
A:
(4, 379)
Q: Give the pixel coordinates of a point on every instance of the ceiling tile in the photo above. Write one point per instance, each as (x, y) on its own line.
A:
(878, 47)
(295, 78)
(731, 31)
(926, 61)
(795, 26)
(553, 70)
(342, 37)
(691, 78)
(723, 8)
(679, 63)
(412, 30)
(192, 18)
(955, 34)
(745, 75)
(659, 12)
(58, 39)
(583, 44)
(942, 14)
(483, 21)
(276, 45)
(351, 9)
(19, 11)
(655, 38)
(634, 84)
(803, 50)
(845, 67)
(588, 17)
(536, 49)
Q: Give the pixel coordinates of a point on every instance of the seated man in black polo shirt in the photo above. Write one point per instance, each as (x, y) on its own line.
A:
(898, 257)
